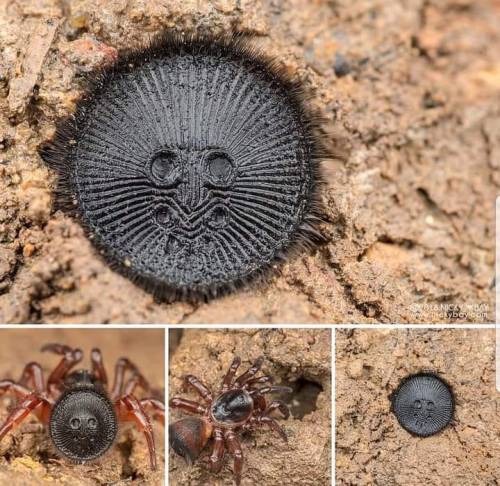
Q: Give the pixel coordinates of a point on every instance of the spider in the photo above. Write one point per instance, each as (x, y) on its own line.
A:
(82, 416)
(239, 406)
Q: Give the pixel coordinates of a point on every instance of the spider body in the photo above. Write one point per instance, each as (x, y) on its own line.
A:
(81, 413)
(424, 404)
(83, 423)
(240, 405)
(232, 408)
(195, 161)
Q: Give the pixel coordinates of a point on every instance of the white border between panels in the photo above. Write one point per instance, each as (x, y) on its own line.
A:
(248, 326)
(497, 290)
(166, 381)
(334, 402)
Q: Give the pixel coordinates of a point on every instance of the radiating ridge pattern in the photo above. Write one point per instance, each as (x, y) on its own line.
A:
(83, 425)
(423, 404)
(193, 168)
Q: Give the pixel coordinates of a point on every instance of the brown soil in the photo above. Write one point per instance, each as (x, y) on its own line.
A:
(26, 455)
(297, 358)
(371, 447)
(410, 92)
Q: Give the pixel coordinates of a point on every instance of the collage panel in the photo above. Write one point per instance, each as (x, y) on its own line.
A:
(266, 161)
(416, 407)
(82, 407)
(250, 406)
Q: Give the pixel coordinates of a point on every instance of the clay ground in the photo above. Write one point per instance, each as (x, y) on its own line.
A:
(26, 455)
(410, 94)
(297, 358)
(371, 447)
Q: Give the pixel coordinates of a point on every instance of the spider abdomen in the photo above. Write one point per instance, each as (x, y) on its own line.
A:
(194, 161)
(83, 424)
(232, 408)
(188, 437)
(423, 404)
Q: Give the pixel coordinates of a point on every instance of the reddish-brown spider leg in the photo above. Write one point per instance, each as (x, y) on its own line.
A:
(257, 381)
(216, 458)
(228, 379)
(202, 389)
(278, 405)
(154, 407)
(273, 425)
(98, 369)
(259, 403)
(71, 357)
(19, 390)
(33, 372)
(271, 389)
(234, 447)
(250, 373)
(129, 409)
(30, 403)
(136, 381)
(122, 366)
(187, 405)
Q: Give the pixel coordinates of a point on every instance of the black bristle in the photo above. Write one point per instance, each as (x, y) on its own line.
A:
(194, 164)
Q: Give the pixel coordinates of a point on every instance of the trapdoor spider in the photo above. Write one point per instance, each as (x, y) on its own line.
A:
(81, 413)
(239, 406)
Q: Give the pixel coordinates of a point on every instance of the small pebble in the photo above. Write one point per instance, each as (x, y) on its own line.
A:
(28, 250)
(341, 66)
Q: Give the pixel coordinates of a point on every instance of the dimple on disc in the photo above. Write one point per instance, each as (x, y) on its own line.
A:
(423, 404)
(193, 166)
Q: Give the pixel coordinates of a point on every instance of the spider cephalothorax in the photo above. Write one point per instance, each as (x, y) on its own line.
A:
(240, 405)
(82, 417)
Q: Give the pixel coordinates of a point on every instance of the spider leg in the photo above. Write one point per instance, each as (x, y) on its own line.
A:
(215, 460)
(202, 389)
(136, 381)
(260, 380)
(234, 447)
(129, 409)
(259, 403)
(156, 406)
(273, 425)
(19, 390)
(250, 373)
(98, 369)
(271, 389)
(278, 405)
(71, 357)
(30, 402)
(122, 366)
(228, 379)
(33, 371)
(187, 405)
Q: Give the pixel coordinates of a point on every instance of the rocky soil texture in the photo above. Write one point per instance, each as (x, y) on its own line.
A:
(373, 449)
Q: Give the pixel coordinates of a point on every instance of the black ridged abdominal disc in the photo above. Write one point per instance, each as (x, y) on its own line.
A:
(83, 425)
(192, 164)
(423, 404)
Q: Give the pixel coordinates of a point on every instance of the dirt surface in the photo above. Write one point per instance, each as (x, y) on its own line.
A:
(26, 455)
(297, 358)
(410, 93)
(372, 448)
